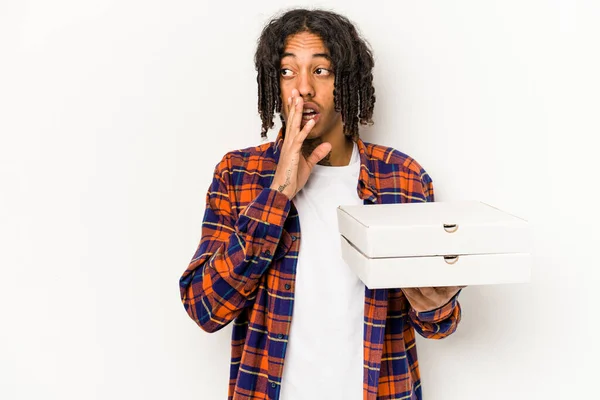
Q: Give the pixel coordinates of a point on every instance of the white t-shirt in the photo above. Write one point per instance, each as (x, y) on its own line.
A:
(324, 356)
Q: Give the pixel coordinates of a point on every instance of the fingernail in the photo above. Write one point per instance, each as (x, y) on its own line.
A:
(297, 100)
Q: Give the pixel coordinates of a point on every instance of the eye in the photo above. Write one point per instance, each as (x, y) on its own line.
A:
(286, 72)
(322, 71)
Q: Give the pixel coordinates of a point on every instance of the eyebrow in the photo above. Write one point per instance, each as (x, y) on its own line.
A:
(316, 55)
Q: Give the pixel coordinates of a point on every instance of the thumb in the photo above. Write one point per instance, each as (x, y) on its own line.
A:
(318, 154)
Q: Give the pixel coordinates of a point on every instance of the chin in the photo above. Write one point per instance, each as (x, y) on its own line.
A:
(313, 134)
(316, 131)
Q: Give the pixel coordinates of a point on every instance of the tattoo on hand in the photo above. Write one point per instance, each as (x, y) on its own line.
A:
(288, 173)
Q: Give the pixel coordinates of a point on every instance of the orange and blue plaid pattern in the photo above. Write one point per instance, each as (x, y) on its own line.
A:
(244, 268)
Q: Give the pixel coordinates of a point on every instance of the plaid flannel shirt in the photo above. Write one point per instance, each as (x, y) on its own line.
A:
(244, 268)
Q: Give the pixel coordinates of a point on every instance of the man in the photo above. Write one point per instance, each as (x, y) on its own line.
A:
(305, 327)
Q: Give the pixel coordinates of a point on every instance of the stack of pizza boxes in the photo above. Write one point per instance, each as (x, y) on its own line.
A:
(434, 244)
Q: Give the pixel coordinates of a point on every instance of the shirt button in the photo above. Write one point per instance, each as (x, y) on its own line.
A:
(294, 238)
(268, 253)
(280, 336)
(288, 286)
(273, 384)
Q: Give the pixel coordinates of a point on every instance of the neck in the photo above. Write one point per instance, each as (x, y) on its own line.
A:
(341, 148)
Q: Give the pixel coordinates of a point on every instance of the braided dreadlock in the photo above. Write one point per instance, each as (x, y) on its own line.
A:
(354, 95)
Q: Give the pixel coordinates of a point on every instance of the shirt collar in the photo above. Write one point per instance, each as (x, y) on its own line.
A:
(366, 186)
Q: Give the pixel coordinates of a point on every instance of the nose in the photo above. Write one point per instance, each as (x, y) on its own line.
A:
(305, 85)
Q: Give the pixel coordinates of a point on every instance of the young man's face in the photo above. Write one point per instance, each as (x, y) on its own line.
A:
(306, 67)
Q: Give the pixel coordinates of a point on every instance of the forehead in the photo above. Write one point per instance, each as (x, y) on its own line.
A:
(304, 41)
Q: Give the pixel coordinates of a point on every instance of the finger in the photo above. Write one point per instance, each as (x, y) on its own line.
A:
(297, 118)
(291, 113)
(306, 130)
(412, 294)
(450, 290)
(291, 100)
(427, 296)
(318, 154)
(417, 300)
(429, 292)
(455, 289)
(410, 291)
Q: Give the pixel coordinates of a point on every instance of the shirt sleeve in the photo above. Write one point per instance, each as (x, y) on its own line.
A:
(233, 254)
(438, 323)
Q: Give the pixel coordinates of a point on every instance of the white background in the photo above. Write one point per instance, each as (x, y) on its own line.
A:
(113, 115)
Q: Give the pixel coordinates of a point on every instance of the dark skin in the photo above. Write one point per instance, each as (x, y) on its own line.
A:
(310, 145)
(307, 80)
(306, 68)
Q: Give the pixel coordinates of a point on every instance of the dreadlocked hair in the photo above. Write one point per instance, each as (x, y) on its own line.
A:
(352, 59)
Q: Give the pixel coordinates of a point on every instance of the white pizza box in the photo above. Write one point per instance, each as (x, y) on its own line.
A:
(434, 244)
(435, 271)
(432, 228)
